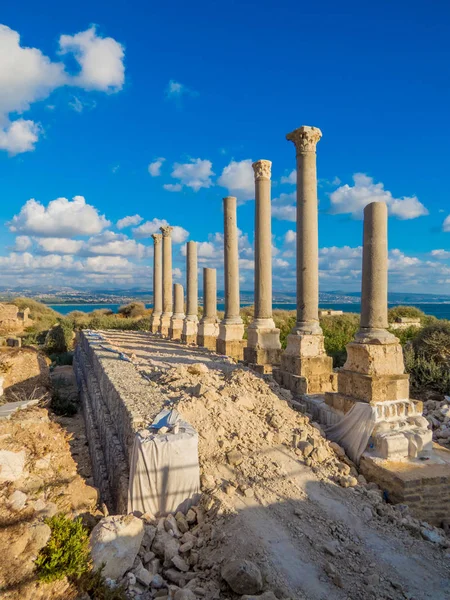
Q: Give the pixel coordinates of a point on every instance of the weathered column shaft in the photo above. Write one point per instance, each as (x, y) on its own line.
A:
(263, 240)
(178, 301)
(231, 259)
(374, 291)
(209, 294)
(167, 270)
(192, 281)
(305, 140)
(157, 274)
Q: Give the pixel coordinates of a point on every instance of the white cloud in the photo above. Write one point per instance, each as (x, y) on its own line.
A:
(179, 235)
(195, 174)
(154, 168)
(113, 244)
(129, 221)
(61, 218)
(440, 254)
(105, 264)
(353, 199)
(173, 187)
(176, 90)
(177, 273)
(446, 224)
(291, 178)
(290, 237)
(22, 243)
(284, 208)
(100, 59)
(27, 76)
(59, 245)
(238, 177)
(76, 105)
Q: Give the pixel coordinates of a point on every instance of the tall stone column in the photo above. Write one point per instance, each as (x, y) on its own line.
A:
(190, 324)
(374, 372)
(305, 367)
(155, 320)
(208, 328)
(231, 329)
(177, 318)
(263, 346)
(167, 279)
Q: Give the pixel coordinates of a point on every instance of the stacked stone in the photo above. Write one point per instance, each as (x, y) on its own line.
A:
(208, 328)
(231, 329)
(374, 372)
(190, 324)
(167, 280)
(155, 320)
(305, 366)
(263, 346)
(178, 316)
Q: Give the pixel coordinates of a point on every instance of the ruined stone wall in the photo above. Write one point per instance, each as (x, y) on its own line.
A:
(117, 402)
(12, 320)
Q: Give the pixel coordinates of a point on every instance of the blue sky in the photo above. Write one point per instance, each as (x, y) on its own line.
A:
(93, 93)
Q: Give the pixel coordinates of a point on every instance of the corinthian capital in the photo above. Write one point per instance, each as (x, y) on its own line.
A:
(166, 230)
(305, 138)
(262, 169)
(157, 238)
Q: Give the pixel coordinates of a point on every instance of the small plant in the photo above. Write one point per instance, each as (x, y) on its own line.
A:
(64, 403)
(132, 310)
(60, 337)
(410, 312)
(339, 331)
(94, 584)
(67, 551)
(433, 343)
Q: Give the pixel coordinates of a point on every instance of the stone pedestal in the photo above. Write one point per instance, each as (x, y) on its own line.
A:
(263, 343)
(305, 368)
(155, 319)
(189, 334)
(167, 280)
(177, 319)
(231, 329)
(208, 328)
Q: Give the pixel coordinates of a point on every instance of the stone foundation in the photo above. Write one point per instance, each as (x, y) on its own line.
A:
(155, 324)
(189, 333)
(176, 329)
(165, 325)
(116, 404)
(423, 485)
(263, 346)
(207, 341)
(232, 348)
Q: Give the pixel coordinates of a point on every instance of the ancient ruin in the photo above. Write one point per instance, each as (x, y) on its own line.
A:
(155, 320)
(167, 279)
(231, 328)
(190, 324)
(178, 316)
(208, 328)
(13, 320)
(305, 366)
(263, 346)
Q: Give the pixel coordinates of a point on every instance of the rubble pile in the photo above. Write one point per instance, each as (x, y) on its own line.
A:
(438, 414)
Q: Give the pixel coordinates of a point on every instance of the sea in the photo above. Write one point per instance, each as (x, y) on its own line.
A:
(441, 311)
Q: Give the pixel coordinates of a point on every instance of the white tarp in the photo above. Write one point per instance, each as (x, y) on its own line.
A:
(164, 473)
(354, 430)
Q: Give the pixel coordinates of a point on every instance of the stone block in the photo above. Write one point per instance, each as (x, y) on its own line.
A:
(175, 329)
(14, 342)
(232, 348)
(262, 356)
(375, 359)
(165, 325)
(267, 338)
(304, 345)
(392, 446)
(373, 388)
(230, 332)
(155, 323)
(307, 366)
(189, 333)
(207, 341)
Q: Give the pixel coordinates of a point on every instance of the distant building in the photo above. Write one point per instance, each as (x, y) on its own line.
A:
(13, 320)
(328, 312)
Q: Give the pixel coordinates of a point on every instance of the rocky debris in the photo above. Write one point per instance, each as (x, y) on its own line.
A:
(243, 576)
(115, 541)
(437, 413)
(11, 465)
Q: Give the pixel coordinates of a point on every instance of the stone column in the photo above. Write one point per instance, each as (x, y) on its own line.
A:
(155, 320)
(263, 346)
(231, 329)
(190, 324)
(305, 367)
(177, 318)
(208, 328)
(167, 279)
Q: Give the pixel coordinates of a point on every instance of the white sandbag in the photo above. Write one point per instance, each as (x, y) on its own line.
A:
(354, 430)
(164, 473)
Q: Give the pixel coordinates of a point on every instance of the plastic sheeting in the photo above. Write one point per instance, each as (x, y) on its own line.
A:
(354, 430)
(164, 473)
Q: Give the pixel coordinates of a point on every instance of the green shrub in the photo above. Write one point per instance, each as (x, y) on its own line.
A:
(61, 360)
(433, 343)
(285, 321)
(410, 312)
(94, 584)
(406, 335)
(60, 337)
(132, 310)
(425, 373)
(64, 402)
(339, 330)
(67, 551)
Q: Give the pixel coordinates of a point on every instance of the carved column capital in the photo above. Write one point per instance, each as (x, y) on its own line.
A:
(305, 138)
(157, 237)
(166, 230)
(262, 169)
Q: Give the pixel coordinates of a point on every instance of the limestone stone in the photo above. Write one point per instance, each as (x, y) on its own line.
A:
(243, 576)
(178, 316)
(155, 320)
(115, 541)
(11, 465)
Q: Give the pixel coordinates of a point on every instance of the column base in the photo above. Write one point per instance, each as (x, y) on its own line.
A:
(155, 323)
(305, 367)
(207, 334)
(263, 345)
(262, 356)
(189, 334)
(165, 324)
(176, 328)
(232, 348)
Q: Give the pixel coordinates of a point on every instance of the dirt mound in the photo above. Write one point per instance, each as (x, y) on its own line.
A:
(25, 373)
